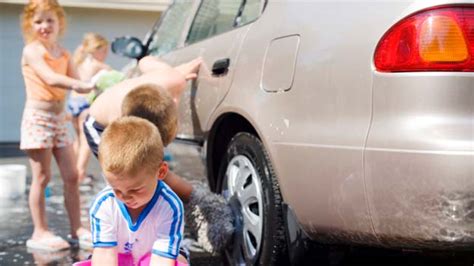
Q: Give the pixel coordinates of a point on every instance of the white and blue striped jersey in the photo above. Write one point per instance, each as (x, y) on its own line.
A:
(158, 229)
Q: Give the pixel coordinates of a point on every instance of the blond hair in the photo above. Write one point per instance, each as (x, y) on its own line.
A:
(130, 145)
(90, 43)
(34, 6)
(153, 103)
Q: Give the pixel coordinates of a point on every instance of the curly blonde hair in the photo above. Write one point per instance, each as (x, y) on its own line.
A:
(34, 6)
(90, 43)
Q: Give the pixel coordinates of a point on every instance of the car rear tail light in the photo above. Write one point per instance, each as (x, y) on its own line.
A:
(439, 39)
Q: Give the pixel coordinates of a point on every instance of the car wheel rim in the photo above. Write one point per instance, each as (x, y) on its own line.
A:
(242, 185)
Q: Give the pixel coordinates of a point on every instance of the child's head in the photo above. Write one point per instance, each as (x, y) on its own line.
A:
(155, 104)
(131, 156)
(92, 44)
(47, 12)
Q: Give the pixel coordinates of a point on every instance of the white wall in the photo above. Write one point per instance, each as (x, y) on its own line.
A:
(110, 23)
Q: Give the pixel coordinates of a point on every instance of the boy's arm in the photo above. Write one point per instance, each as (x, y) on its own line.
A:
(179, 185)
(171, 79)
(190, 72)
(151, 63)
(190, 69)
(105, 256)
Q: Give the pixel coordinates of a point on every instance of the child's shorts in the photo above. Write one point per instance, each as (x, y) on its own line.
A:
(93, 132)
(42, 130)
(76, 105)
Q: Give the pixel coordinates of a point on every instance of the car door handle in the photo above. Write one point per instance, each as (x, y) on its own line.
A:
(220, 66)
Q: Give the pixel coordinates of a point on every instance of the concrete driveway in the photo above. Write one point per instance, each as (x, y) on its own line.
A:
(16, 225)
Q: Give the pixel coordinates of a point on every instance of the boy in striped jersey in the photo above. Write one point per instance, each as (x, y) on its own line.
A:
(137, 213)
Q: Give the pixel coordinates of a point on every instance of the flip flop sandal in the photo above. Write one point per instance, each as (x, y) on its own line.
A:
(47, 244)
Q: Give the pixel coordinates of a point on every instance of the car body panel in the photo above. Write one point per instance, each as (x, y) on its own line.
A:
(419, 159)
(203, 96)
(360, 156)
(323, 117)
(316, 137)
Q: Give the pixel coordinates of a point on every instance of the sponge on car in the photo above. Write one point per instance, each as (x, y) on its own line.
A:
(210, 218)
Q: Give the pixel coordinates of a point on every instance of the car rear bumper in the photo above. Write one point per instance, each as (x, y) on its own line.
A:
(421, 200)
(419, 160)
(413, 200)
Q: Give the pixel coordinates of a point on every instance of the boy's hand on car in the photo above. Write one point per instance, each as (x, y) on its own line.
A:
(190, 69)
(191, 76)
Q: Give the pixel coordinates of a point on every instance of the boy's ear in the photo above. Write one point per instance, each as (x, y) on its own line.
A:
(163, 171)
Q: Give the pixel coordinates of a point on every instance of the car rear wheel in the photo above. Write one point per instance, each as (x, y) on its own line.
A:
(249, 184)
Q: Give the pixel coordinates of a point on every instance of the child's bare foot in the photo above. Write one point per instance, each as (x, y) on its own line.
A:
(47, 241)
(190, 69)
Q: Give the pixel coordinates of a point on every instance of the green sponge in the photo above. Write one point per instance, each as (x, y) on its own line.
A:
(104, 80)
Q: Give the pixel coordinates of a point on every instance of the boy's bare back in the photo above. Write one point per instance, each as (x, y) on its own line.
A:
(107, 107)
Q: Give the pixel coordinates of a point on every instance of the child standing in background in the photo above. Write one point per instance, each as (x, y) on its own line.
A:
(49, 73)
(89, 59)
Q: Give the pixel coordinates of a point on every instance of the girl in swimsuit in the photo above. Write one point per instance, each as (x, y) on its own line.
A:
(89, 59)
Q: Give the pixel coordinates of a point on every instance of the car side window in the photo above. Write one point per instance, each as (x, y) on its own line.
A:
(251, 11)
(212, 18)
(170, 30)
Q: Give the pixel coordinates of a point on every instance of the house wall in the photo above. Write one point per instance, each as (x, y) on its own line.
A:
(109, 22)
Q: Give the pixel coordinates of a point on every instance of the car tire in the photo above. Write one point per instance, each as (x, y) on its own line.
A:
(248, 182)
